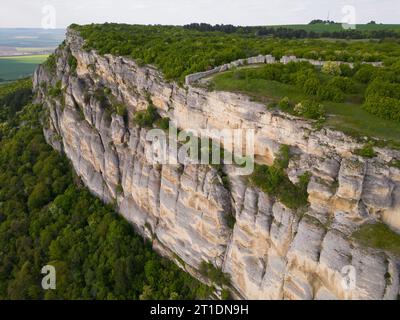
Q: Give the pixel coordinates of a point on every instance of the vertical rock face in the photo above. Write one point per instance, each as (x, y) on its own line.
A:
(272, 252)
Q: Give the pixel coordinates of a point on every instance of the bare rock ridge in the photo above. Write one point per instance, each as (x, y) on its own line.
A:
(272, 252)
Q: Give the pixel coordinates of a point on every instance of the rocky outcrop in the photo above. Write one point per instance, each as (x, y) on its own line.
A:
(272, 252)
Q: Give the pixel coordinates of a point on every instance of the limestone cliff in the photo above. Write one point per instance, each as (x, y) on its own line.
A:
(272, 252)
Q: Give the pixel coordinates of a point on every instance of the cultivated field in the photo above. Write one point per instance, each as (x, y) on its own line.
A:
(17, 67)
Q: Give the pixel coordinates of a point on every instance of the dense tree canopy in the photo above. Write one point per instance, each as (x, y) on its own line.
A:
(179, 51)
(13, 96)
(46, 219)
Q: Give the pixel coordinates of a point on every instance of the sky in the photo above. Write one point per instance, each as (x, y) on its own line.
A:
(61, 13)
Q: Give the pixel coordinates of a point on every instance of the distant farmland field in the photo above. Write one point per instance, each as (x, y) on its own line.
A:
(12, 68)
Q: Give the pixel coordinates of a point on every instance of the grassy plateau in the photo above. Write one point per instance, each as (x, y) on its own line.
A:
(347, 116)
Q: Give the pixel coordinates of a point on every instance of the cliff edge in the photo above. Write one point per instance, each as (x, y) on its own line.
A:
(272, 252)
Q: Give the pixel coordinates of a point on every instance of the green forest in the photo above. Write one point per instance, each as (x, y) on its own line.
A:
(47, 217)
(315, 29)
(179, 51)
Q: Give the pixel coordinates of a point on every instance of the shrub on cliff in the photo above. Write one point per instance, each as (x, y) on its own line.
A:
(121, 110)
(163, 123)
(366, 151)
(73, 63)
(310, 109)
(51, 64)
(56, 91)
(146, 118)
(284, 104)
(274, 181)
(213, 273)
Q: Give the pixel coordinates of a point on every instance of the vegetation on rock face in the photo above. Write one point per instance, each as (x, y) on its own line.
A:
(51, 63)
(230, 220)
(216, 275)
(395, 163)
(163, 123)
(367, 151)
(121, 110)
(45, 219)
(56, 91)
(73, 63)
(179, 51)
(274, 181)
(146, 118)
(378, 236)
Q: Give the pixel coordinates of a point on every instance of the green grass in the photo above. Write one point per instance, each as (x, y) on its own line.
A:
(12, 68)
(378, 236)
(348, 116)
(354, 120)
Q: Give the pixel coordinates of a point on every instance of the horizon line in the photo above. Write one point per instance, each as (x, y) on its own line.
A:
(178, 25)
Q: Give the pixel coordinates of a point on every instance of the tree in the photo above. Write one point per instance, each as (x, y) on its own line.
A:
(23, 286)
(310, 109)
(331, 93)
(311, 86)
(365, 73)
(332, 68)
(345, 84)
(40, 196)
